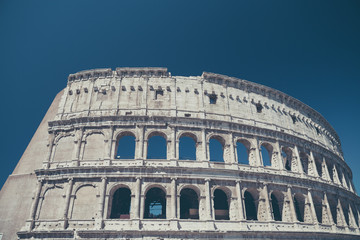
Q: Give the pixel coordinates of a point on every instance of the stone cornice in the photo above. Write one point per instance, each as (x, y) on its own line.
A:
(120, 72)
(90, 74)
(143, 72)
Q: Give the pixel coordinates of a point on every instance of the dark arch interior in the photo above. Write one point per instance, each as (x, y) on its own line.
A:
(286, 156)
(216, 150)
(299, 208)
(189, 204)
(275, 208)
(346, 212)
(318, 208)
(265, 156)
(126, 147)
(155, 204)
(251, 213)
(221, 205)
(156, 148)
(120, 207)
(187, 148)
(333, 209)
(242, 153)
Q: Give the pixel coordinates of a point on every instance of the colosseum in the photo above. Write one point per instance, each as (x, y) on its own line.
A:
(136, 153)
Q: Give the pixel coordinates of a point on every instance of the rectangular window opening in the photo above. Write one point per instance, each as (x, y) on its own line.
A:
(212, 98)
(159, 93)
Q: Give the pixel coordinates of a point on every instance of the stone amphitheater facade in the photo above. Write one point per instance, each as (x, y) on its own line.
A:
(71, 182)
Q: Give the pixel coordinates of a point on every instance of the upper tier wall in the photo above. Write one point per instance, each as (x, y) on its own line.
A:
(154, 92)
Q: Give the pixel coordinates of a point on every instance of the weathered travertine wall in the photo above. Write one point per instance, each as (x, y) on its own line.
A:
(19, 189)
(305, 189)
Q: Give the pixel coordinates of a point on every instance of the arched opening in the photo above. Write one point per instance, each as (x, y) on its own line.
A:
(120, 204)
(286, 155)
(333, 208)
(345, 208)
(299, 204)
(187, 148)
(266, 152)
(156, 147)
(250, 207)
(155, 204)
(126, 147)
(221, 205)
(216, 146)
(318, 208)
(331, 171)
(189, 204)
(275, 204)
(304, 161)
(242, 147)
(356, 216)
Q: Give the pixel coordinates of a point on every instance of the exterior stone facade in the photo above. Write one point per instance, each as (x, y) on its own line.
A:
(71, 173)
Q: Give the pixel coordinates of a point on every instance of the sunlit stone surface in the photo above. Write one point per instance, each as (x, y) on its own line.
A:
(278, 173)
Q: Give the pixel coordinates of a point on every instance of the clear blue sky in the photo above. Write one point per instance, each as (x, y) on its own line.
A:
(307, 49)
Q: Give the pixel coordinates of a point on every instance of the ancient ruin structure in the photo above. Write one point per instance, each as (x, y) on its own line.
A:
(278, 171)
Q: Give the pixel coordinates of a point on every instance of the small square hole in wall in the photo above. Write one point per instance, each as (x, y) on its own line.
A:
(212, 98)
(159, 93)
(259, 107)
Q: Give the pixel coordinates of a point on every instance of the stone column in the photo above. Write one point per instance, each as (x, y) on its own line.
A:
(312, 164)
(267, 202)
(329, 214)
(139, 152)
(50, 145)
(142, 206)
(102, 197)
(67, 201)
(77, 146)
(341, 216)
(35, 203)
(280, 157)
(313, 211)
(292, 207)
(240, 200)
(325, 171)
(137, 198)
(82, 148)
(204, 145)
(209, 215)
(297, 154)
(111, 154)
(173, 198)
(336, 178)
(173, 144)
(258, 154)
(236, 153)
(145, 147)
(232, 149)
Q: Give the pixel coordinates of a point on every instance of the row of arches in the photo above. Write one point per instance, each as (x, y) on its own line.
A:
(156, 204)
(258, 204)
(218, 150)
